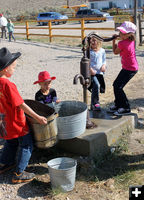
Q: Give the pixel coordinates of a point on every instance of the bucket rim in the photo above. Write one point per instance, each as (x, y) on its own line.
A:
(86, 108)
(70, 116)
(73, 101)
(70, 160)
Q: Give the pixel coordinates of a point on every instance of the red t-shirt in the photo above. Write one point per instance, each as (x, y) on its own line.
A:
(15, 119)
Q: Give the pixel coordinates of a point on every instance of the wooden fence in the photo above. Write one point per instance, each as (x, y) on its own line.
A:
(50, 28)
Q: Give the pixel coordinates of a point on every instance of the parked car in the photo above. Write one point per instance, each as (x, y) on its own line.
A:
(51, 16)
(86, 13)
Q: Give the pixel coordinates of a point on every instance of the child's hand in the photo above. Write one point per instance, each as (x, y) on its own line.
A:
(115, 35)
(58, 101)
(103, 68)
(92, 71)
(42, 120)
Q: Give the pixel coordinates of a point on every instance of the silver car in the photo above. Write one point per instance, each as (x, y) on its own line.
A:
(51, 16)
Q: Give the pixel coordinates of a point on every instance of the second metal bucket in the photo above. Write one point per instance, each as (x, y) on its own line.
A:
(62, 173)
(71, 121)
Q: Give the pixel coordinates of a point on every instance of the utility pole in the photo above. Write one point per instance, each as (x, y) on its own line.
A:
(67, 3)
(135, 18)
(135, 12)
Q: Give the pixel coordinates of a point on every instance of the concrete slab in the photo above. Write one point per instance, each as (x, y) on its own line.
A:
(98, 140)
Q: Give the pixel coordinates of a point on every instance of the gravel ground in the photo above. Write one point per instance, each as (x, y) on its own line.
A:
(62, 62)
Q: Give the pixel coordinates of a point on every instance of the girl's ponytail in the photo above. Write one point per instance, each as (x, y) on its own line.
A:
(132, 37)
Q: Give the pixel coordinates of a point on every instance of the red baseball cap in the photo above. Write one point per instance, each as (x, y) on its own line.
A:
(1, 14)
(44, 76)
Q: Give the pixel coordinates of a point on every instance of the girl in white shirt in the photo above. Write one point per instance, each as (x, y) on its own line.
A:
(97, 69)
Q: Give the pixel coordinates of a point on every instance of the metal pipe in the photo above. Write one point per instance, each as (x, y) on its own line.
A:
(85, 95)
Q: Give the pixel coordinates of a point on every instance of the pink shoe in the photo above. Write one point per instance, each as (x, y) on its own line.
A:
(96, 107)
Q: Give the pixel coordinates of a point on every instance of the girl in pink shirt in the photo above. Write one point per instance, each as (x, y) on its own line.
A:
(126, 49)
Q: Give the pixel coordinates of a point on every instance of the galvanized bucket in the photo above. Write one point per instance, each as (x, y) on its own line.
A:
(44, 135)
(62, 173)
(71, 121)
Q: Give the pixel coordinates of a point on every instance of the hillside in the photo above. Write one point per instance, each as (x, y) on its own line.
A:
(11, 8)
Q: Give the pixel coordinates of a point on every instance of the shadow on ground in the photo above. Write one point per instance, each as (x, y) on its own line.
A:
(134, 103)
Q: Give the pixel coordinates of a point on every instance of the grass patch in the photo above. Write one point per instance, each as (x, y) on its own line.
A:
(125, 180)
(107, 47)
(119, 166)
(62, 41)
(72, 42)
(56, 191)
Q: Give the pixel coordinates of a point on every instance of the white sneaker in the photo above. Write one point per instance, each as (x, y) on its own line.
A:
(122, 111)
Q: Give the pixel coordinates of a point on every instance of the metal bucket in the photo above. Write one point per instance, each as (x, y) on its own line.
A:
(44, 135)
(62, 173)
(71, 121)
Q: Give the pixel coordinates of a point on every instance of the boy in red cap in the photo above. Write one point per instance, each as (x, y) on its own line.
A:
(13, 125)
(46, 94)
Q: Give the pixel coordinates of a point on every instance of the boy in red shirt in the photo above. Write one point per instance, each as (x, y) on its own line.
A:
(13, 125)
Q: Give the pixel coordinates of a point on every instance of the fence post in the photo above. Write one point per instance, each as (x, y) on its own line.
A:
(82, 29)
(140, 30)
(27, 30)
(50, 31)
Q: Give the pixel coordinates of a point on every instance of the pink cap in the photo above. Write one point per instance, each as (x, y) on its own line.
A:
(127, 27)
(44, 76)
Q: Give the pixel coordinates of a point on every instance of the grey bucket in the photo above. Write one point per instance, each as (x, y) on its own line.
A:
(71, 121)
(62, 173)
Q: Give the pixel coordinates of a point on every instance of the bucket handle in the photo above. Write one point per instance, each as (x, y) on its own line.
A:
(51, 118)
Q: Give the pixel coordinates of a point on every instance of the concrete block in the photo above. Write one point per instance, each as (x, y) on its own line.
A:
(98, 140)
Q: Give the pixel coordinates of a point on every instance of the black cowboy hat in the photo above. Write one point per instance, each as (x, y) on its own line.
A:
(7, 58)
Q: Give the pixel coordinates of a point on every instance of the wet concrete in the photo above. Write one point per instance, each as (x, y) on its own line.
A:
(98, 140)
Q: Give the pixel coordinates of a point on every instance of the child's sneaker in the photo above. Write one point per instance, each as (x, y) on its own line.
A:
(96, 107)
(4, 168)
(23, 177)
(122, 111)
(112, 109)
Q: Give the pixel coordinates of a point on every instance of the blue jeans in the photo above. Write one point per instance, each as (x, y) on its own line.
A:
(95, 91)
(20, 148)
(3, 32)
(11, 36)
(122, 79)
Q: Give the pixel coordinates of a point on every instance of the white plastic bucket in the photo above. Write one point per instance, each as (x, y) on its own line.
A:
(62, 173)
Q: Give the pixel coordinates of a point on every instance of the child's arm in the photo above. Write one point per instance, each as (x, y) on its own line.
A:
(103, 67)
(30, 112)
(116, 50)
(55, 99)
